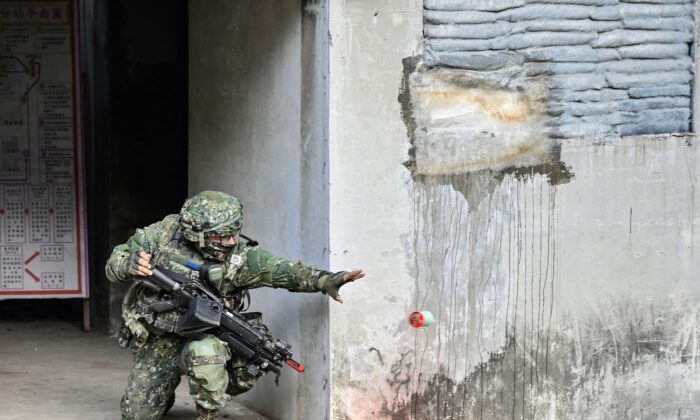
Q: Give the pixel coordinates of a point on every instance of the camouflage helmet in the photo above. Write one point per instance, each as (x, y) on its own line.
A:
(210, 213)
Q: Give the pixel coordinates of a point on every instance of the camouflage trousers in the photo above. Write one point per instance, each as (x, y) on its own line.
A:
(213, 374)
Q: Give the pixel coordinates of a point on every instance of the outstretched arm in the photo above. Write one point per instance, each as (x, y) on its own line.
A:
(263, 269)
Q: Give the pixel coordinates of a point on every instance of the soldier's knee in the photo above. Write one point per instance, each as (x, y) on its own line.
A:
(206, 367)
(206, 361)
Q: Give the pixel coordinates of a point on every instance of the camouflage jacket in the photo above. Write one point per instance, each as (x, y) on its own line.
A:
(246, 267)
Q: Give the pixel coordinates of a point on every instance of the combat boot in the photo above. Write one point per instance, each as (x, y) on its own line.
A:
(204, 414)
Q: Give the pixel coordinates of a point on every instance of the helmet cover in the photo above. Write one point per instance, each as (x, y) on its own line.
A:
(211, 213)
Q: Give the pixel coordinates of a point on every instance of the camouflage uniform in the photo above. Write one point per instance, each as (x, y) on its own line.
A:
(160, 355)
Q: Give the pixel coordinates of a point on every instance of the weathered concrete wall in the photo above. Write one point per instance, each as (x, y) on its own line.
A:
(562, 274)
(576, 300)
(258, 130)
(613, 67)
(369, 198)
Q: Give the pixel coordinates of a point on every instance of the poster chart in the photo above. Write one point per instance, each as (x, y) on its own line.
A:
(42, 216)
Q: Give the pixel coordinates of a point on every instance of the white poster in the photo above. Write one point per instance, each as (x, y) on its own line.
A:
(42, 217)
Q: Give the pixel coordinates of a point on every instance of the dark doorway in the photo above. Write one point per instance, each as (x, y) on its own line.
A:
(137, 162)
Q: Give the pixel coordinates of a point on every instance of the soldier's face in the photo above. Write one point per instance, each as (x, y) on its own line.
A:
(222, 240)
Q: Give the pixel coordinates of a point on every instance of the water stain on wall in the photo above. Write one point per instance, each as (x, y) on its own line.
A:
(484, 176)
(486, 256)
(487, 262)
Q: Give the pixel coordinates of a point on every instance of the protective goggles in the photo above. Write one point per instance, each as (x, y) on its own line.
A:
(232, 229)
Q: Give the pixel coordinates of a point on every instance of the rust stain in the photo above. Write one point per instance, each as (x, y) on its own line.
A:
(504, 109)
(504, 106)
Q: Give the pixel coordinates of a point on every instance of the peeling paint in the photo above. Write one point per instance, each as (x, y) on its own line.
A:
(468, 121)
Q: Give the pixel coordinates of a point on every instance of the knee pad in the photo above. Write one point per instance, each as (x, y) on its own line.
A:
(206, 362)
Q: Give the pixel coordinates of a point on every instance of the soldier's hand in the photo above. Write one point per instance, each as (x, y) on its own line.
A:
(337, 281)
(140, 264)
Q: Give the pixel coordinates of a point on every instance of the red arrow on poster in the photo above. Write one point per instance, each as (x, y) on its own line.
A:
(30, 259)
(32, 275)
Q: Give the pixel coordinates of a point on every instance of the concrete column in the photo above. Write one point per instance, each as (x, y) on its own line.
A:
(369, 196)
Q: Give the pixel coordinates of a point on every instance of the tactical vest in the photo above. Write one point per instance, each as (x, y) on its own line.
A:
(180, 256)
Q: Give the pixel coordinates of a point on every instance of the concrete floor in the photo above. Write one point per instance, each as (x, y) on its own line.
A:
(52, 370)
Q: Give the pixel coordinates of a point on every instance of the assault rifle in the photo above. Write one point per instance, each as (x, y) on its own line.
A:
(205, 312)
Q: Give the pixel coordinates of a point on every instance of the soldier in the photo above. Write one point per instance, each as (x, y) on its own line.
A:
(207, 229)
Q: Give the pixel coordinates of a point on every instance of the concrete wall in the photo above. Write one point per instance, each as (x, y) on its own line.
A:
(258, 131)
(576, 300)
(562, 274)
